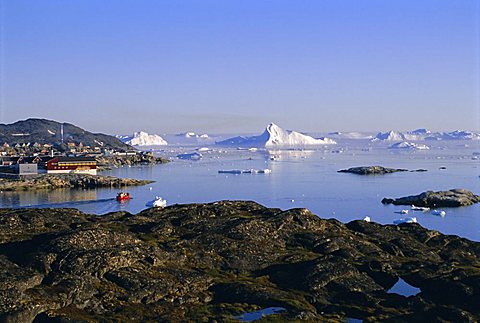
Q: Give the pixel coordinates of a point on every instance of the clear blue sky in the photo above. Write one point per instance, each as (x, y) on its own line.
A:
(118, 66)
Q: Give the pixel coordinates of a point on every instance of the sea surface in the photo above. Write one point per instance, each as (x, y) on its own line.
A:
(303, 178)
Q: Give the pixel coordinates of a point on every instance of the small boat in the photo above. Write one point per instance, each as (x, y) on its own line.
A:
(157, 202)
(123, 196)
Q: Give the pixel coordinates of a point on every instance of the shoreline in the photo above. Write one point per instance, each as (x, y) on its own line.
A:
(74, 181)
(194, 262)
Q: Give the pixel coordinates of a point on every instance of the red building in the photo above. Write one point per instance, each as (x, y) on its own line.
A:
(81, 165)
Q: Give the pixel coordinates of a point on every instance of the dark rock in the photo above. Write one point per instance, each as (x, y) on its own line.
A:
(211, 262)
(372, 170)
(452, 198)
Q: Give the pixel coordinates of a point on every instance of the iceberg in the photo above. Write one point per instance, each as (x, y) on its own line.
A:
(274, 136)
(142, 138)
(420, 132)
(157, 202)
(389, 136)
(405, 220)
(439, 213)
(420, 208)
(190, 156)
(460, 135)
(408, 145)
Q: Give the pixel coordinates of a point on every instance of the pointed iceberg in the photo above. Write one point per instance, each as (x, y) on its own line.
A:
(274, 136)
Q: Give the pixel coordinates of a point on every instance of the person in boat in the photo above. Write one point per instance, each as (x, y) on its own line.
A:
(123, 195)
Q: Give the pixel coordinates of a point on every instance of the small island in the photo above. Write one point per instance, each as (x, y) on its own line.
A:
(216, 261)
(371, 170)
(452, 198)
(376, 170)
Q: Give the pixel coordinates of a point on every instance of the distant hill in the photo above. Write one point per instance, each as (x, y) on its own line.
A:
(44, 131)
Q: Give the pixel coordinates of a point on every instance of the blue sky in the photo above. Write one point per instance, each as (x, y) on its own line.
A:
(119, 66)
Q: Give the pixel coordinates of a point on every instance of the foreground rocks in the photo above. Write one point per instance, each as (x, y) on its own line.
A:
(52, 181)
(376, 170)
(201, 262)
(452, 198)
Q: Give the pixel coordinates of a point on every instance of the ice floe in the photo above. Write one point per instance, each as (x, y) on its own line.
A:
(420, 208)
(408, 145)
(245, 171)
(406, 220)
(190, 156)
(157, 202)
(439, 212)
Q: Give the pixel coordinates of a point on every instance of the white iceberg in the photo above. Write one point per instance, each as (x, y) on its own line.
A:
(389, 136)
(188, 134)
(157, 202)
(408, 145)
(460, 135)
(420, 132)
(420, 208)
(190, 156)
(405, 220)
(439, 213)
(142, 138)
(203, 149)
(274, 136)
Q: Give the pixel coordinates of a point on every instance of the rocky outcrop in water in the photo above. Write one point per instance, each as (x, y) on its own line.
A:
(52, 181)
(201, 262)
(452, 198)
(376, 170)
(371, 170)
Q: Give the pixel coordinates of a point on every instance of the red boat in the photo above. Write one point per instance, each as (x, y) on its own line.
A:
(122, 196)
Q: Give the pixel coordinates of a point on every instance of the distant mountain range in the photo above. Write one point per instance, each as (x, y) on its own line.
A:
(44, 131)
(274, 136)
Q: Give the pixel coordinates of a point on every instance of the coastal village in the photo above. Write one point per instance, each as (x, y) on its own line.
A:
(29, 159)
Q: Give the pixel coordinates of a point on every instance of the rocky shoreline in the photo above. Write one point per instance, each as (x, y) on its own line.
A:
(452, 198)
(107, 163)
(53, 181)
(205, 262)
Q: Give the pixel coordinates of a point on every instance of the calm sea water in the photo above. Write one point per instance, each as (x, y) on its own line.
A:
(299, 178)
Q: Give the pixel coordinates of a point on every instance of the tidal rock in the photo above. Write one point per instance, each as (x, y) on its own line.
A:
(371, 170)
(206, 262)
(452, 198)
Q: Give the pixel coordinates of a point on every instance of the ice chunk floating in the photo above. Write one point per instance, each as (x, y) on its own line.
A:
(439, 213)
(245, 171)
(157, 202)
(190, 156)
(406, 220)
